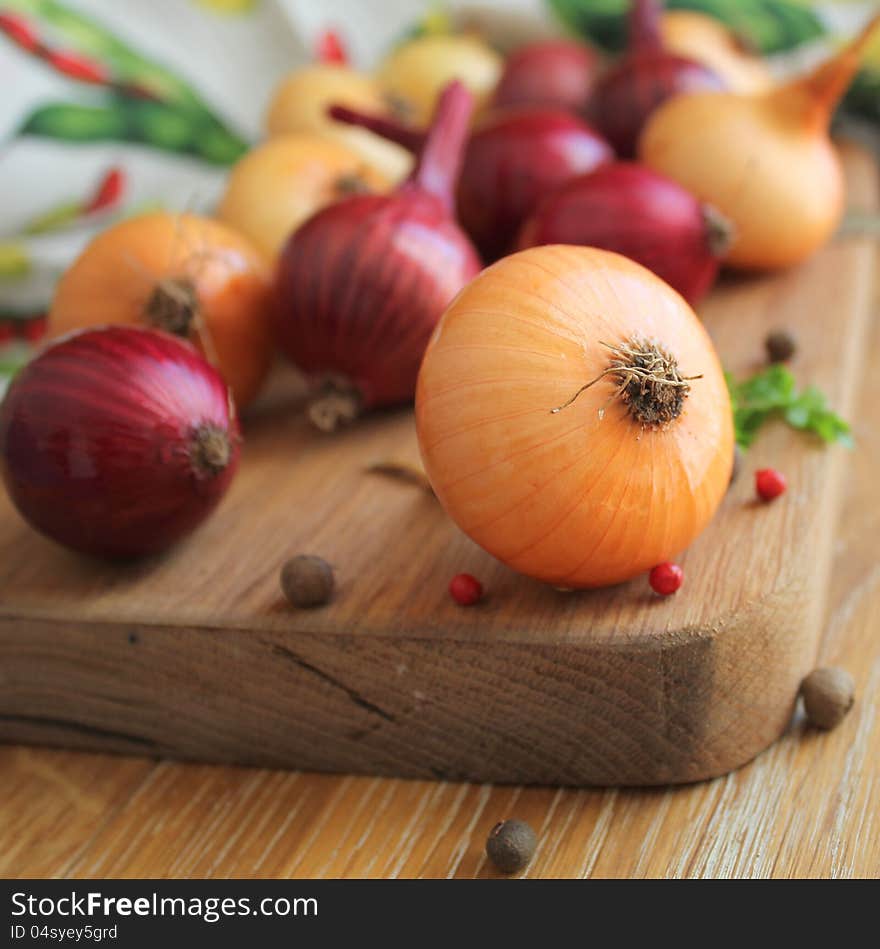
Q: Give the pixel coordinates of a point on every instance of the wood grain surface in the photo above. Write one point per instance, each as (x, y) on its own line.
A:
(194, 655)
(807, 807)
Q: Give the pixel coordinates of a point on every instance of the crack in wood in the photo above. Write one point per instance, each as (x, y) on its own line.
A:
(355, 696)
(91, 730)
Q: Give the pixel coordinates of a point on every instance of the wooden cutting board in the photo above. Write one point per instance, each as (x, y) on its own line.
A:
(196, 655)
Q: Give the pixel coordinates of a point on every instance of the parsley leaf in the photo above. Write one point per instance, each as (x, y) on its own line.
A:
(772, 393)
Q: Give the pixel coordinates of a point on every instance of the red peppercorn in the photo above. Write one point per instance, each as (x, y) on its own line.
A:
(770, 483)
(666, 578)
(465, 589)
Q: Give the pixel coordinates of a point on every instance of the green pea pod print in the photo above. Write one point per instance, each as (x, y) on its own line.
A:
(156, 124)
(77, 123)
(770, 25)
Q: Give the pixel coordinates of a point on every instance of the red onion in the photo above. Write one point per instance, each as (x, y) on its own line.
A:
(117, 441)
(362, 283)
(625, 96)
(641, 214)
(513, 159)
(553, 73)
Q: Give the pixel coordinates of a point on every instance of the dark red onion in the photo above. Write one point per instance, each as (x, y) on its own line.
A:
(513, 159)
(118, 441)
(641, 214)
(624, 97)
(551, 73)
(362, 284)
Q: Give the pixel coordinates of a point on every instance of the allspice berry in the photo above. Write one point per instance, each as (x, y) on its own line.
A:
(511, 845)
(780, 346)
(828, 695)
(307, 581)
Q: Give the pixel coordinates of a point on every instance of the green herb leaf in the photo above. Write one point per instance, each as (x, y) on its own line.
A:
(772, 393)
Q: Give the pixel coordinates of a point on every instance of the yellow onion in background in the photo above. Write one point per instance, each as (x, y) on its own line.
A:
(300, 104)
(280, 183)
(415, 73)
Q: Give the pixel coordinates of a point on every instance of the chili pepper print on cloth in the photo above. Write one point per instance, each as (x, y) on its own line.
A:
(110, 108)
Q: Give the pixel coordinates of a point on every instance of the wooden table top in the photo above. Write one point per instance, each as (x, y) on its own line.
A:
(810, 806)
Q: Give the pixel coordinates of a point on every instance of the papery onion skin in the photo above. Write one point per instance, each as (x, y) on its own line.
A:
(557, 73)
(113, 279)
(514, 158)
(629, 209)
(585, 497)
(117, 442)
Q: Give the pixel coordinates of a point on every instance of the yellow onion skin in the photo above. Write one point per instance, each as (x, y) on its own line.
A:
(764, 161)
(583, 495)
(781, 185)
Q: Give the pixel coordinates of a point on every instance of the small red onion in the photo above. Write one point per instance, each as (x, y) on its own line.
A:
(551, 73)
(513, 159)
(627, 208)
(624, 97)
(362, 284)
(118, 441)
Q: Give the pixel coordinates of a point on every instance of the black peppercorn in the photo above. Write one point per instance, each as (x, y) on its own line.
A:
(828, 695)
(307, 581)
(511, 845)
(780, 346)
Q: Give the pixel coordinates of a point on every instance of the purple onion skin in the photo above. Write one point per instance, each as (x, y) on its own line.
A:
(514, 159)
(550, 73)
(634, 211)
(98, 441)
(362, 284)
(624, 98)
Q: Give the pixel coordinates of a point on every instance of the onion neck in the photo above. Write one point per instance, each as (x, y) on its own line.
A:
(811, 99)
(412, 139)
(644, 30)
(440, 150)
(439, 161)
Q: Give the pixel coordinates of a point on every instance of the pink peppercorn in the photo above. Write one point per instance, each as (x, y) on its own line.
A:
(666, 578)
(465, 589)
